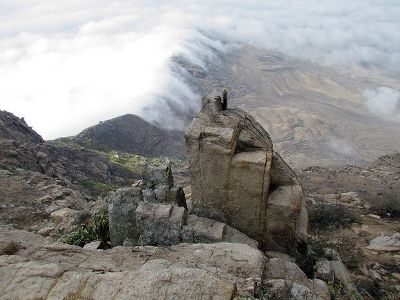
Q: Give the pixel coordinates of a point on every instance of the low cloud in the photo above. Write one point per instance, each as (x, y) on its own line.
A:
(384, 101)
(341, 147)
(65, 66)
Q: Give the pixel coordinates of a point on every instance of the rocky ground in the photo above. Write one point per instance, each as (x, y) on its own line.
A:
(356, 210)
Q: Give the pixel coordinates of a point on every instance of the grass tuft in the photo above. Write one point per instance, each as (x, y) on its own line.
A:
(95, 229)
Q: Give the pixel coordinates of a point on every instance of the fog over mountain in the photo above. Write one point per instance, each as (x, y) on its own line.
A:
(65, 65)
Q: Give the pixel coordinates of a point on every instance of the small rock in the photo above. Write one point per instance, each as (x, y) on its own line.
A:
(374, 216)
(45, 199)
(300, 291)
(92, 245)
(385, 243)
(159, 224)
(278, 269)
(374, 275)
(59, 215)
(45, 231)
(396, 275)
(320, 290)
(137, 184)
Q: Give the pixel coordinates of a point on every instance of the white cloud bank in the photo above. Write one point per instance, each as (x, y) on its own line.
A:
(384, 101)
(65, 65)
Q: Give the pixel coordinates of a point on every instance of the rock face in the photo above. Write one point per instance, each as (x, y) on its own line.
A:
(34, 268)
(14, 128)
(21, 147)
(238, 179)
(333, 270)
(154, 212)
(122, 216)
(285, 280)
(38, 177)
(151, 213)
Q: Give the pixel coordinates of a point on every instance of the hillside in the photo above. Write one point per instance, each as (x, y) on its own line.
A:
(131, 134)
(316, 115)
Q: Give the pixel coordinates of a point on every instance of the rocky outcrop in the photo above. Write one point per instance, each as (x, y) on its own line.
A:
(38, 177)
(334, 271)
(238, 179)
(143, 214)
(28, 198)
(33, 268)
(14, 128)
(121, 214)
(285, 280)
(21, 147)
(154, 212)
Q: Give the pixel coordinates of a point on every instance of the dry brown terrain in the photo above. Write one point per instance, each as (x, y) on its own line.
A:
(315, 115)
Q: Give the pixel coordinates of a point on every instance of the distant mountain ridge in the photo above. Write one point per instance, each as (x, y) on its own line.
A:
(14, 128)
(131, 134)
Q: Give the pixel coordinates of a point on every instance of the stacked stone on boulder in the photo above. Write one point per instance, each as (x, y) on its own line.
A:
(238, 179)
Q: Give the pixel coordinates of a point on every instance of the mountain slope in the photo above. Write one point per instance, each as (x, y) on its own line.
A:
(14, 128)
(131, 134)
(21, 147)
(316, 115)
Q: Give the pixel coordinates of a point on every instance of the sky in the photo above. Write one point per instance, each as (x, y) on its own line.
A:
(66, 65)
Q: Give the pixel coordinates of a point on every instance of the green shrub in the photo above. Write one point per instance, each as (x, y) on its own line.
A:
(335, 289)
(96, 229)
(137, 163)
(323, 217)
(315, 249)
(97, 188)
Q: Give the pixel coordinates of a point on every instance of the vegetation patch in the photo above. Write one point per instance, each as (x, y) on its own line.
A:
(97, 188)
(65, 142)
(324, 217)
(95, 229)
(389, 204)
(137, 163)
(315, 250)
(335, 289)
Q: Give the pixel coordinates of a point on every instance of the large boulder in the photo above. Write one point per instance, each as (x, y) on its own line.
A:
(238, 179)
(159, 224)
(145, 213)
(334, 271)
(122, 217)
